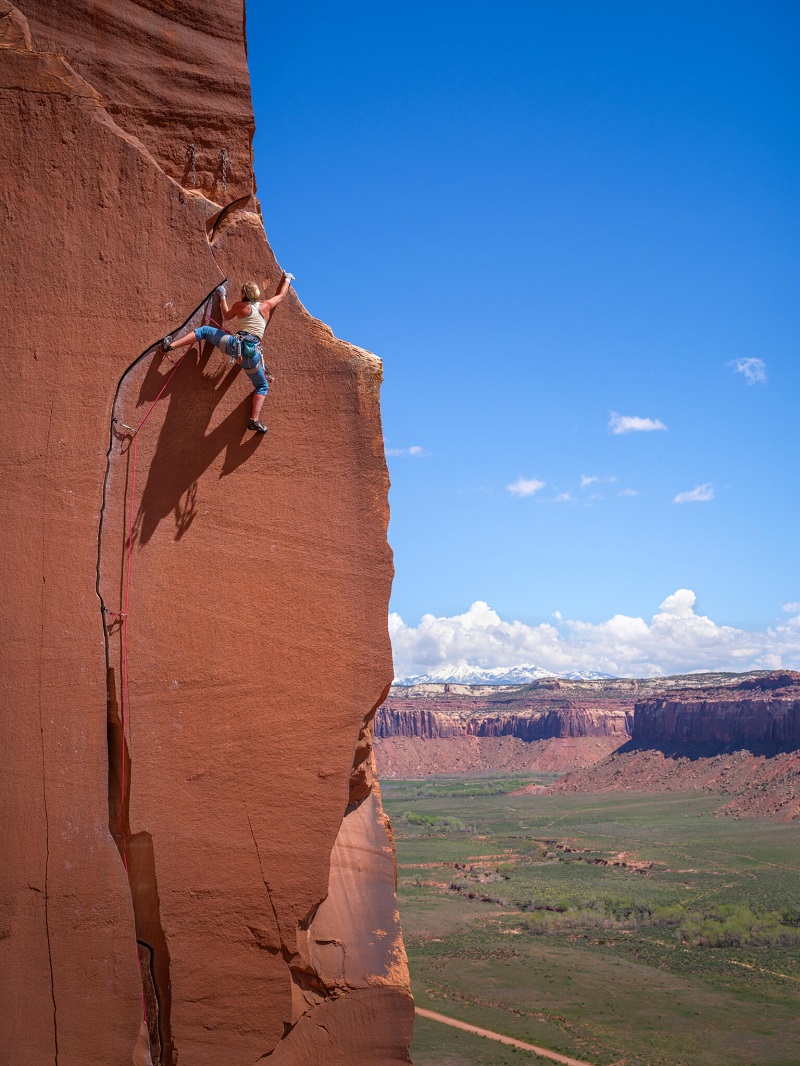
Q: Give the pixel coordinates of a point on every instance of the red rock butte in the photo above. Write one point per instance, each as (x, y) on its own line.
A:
(196, 866)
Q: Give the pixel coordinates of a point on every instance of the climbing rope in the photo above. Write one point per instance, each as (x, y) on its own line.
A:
(124, 614)
(224, 157)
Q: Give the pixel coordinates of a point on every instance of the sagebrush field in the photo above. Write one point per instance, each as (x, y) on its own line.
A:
(635, 929)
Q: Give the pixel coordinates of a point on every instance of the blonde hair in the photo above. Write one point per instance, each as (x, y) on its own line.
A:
(250, 292)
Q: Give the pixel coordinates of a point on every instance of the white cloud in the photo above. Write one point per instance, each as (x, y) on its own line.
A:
(416, 451)
(699, 494)
(587, 481)
(627, 492)
(564, 497)
(525, 486)
(633, 424)
(675, 640)
(792, 608)
(755, 370)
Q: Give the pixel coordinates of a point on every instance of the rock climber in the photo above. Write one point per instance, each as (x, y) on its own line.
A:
(243, 342)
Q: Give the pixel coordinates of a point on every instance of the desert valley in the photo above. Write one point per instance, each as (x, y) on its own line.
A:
(603, 870)
(735, 734)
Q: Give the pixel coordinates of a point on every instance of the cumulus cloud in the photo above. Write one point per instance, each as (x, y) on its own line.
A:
(564, 497)
(525, 486)
(792, 608)
(633, 424)
(699, 494)
(627, 492)
(755, 370)
(676, 639)
(594, 480)
(416, 451)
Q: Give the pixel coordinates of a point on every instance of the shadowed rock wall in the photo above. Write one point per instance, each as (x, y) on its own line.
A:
(743, 721)
(232, 772)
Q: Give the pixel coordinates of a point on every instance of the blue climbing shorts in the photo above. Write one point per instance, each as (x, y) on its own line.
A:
(259, 381)
(229, 344)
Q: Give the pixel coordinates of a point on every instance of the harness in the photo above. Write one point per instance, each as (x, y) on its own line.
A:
(249, 351)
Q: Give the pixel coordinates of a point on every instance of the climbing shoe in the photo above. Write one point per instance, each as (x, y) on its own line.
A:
(257, 427)
(166, 344)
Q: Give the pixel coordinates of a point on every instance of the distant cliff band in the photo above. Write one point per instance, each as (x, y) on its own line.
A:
(696, 709)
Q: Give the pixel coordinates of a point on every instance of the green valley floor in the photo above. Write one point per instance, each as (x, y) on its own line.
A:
(633, 930)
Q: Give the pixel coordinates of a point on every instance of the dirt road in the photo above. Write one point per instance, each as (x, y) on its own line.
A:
(543, 1052)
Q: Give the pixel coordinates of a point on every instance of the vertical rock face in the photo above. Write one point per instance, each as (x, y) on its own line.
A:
(401, 720)
(194, 618)
(733, 721)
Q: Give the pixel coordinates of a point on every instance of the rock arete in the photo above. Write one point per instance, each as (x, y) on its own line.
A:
(194, 628)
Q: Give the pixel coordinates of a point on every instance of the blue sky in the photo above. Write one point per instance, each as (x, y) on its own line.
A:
(541, 216)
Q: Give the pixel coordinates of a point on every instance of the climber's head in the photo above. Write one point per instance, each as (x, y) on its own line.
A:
(250, 292)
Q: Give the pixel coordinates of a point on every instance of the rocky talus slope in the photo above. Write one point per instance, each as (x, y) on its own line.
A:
(183, 825)
(742, 741)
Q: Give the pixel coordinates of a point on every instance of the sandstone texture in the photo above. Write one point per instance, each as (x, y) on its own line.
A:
(194, 618)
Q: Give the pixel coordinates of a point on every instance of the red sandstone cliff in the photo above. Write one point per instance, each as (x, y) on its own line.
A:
(746, 721)
(572, 720)
(257, 913)
(426, 730)
(437, 729)
(741, 741)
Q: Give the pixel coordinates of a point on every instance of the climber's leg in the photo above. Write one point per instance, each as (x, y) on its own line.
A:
(218, 337)
(169, 345)
(258, 403)
(261, 387)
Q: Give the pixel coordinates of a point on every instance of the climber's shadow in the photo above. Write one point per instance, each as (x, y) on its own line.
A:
(185, 447)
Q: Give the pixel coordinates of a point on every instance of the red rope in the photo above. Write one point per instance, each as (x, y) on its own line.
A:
(124, 701)
(170, 376)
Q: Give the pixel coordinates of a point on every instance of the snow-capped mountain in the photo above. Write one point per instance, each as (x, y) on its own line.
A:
(587, 675)
(462, 673)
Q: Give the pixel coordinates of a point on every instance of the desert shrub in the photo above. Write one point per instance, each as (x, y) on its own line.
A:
(434, 823)
(670, 916)
(572, 919)
(736, 925)
(733, 925)
(626, 911)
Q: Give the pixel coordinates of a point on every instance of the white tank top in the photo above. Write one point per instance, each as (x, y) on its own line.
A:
(254, 322)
